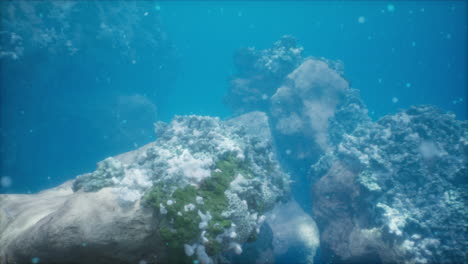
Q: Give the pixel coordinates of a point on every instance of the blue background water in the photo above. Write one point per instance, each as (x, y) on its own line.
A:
(63, 110)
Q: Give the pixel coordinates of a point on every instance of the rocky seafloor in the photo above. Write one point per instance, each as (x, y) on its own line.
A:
(225, 191)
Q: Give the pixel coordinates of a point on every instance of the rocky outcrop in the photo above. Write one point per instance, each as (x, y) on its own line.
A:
(386, 191)
(201, 189)
(383, 192)
(395, 190)
(310, 105)
(303, 97)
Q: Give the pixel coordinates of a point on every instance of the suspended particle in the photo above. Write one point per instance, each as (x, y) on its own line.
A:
(408, 85)
(5, 182)
(394, 100)
(35, 260)
(390, 8)
(361, 20)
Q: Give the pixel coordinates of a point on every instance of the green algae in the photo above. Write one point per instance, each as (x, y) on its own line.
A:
(179, 227)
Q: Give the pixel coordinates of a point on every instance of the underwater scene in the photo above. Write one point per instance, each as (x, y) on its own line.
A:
(233, 132)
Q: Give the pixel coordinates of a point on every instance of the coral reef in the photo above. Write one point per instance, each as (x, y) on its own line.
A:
(395, 190)
(387, 191)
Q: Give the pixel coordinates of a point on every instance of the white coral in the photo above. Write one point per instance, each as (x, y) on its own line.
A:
(195, 169)
(395, 220)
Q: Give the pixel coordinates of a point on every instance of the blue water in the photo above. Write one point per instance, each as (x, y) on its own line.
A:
(87, 81)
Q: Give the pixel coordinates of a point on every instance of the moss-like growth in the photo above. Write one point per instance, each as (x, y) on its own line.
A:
(178, 227)
(213, 247)
(158, 194)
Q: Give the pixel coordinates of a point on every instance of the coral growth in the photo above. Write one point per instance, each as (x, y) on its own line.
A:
(209, 182)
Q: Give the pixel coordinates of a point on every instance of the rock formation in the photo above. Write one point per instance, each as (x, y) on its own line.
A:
(395, 190)
(200, 190)
(387, 191)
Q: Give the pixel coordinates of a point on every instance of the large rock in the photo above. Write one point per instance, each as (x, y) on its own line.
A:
(395, 191)
(289, 235)
(386, 191)
(201, 189)
(309, 102)
(293, 229)
(62, 226)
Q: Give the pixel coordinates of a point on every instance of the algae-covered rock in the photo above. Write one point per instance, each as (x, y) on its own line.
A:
(201, 189)
(213, 182)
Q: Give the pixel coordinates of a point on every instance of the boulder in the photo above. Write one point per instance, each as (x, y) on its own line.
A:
(200, 190)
